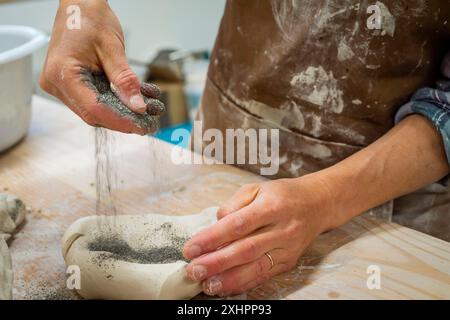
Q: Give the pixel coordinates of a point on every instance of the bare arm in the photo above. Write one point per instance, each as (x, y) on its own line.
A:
(407, 158)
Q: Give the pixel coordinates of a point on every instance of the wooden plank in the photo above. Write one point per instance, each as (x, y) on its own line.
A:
(52, 170)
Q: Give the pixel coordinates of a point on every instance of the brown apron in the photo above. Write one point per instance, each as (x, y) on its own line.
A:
(330, 80)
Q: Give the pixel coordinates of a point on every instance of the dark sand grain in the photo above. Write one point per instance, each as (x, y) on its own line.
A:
(113, 248)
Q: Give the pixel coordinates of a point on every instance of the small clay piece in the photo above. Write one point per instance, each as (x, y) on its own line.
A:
(98, 82)
(134, 257)
(6, 274)
(12, 214)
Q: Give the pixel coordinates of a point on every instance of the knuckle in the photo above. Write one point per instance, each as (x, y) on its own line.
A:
(239, 224)
(251, 249)
(273, 207)
(276, 204)
(125, 78)
(248, 187)
(260, 269)
(109, 39)
(221, 262)
(293, 230)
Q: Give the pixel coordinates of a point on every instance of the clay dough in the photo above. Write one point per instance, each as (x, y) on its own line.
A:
(6, 274)
(133, 257)
(12, 214)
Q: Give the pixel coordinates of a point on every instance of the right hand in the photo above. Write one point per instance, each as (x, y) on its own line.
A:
(98, 46)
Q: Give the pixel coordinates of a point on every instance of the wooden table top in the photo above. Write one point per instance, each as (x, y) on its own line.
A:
(53, 171)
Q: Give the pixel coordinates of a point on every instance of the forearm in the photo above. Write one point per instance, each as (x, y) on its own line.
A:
(407, 158)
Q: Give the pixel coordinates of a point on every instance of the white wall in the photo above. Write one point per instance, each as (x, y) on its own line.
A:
(151, 24)
(148, 24)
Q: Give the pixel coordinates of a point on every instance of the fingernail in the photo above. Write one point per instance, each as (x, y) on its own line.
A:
(193, 251)
(138, 102)
(213, 286)
(198, 273)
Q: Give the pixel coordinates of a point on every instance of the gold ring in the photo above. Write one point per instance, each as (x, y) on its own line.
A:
(271, 260)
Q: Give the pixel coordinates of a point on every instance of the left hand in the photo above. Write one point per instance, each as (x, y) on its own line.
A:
(280, 218)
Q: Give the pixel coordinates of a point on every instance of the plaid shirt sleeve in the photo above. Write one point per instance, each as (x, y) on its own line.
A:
(433, 104)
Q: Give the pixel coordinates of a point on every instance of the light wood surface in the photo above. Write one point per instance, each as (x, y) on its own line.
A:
(52, 170)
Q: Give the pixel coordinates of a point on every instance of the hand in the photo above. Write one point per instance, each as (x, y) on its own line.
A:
(98, 46)
(279, 217)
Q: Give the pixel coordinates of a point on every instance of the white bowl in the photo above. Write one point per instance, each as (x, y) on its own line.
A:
(17, 44)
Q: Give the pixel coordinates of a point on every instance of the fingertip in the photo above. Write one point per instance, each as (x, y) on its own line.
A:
(213, 286)
(150, 90)
(155, 107)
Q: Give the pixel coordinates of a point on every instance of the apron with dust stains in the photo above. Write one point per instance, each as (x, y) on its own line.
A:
(332, 85)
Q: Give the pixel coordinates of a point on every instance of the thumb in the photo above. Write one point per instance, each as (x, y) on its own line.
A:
(124, 82)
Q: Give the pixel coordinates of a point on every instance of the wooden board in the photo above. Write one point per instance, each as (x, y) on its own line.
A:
(52, 170)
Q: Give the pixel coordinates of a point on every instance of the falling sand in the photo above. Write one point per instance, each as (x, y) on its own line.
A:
(110, 243)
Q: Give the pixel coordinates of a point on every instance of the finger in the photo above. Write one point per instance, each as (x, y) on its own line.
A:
(124, 81)
(237, 253)
(150, 90)
(83, 100)
(155, 107)
(235, 280)
(243, 197)
(231, 228)
(260, 281)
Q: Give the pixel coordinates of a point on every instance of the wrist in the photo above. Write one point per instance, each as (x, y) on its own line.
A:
(332, 189)
(318, 199)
